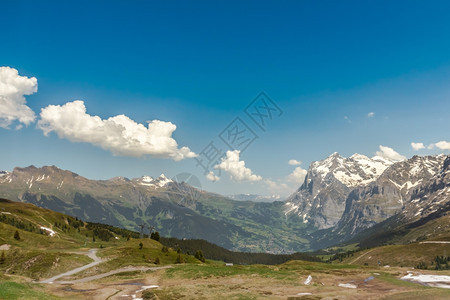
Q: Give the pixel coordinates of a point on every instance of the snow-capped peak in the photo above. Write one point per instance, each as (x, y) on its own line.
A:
(163, 180)
(149, 181)
(353, 171)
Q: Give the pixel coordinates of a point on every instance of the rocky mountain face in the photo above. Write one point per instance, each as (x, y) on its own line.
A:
(432, 196)
(425, 213)
(387, 195)
(175, 208)
(321, 199)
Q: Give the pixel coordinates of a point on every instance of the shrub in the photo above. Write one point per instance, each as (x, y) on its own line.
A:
(17, 235)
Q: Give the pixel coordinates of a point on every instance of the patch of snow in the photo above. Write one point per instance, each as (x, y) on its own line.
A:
(435, 242)
(40, 177)
(147, 179)
(290, 207)
(347, 285)
(441, 281)
(308, 280)
(5, 247)
(305, 218)
(303, 294)
(143, 288)
(50, 231)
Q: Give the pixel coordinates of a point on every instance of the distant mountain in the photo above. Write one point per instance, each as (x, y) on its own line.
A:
(175, 208)
(341, 199)
(321, 199)
(425, 213)
(255, 198)
(383, 198)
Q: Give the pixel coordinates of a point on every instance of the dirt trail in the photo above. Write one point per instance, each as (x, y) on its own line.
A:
(92, 253)
(116, 271)
(353, 261)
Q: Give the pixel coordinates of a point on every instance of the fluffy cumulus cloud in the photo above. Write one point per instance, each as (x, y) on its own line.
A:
(212, 177)
(389, 153)
(417, 146)
(118, 134)
(294, 162)
(236, 168)
(443, 145)
(13, 89)
(371, 114)
(298, 175)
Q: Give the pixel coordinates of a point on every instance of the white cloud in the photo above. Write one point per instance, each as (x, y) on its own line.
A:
(298, 175)
(443, 145)
(236, 168)
(347, 119)
(417, 146)
(13, 88)
(212, 177)
(389, 153)
(294, 162)
(371, 114)
(118, 134)
(277, 187)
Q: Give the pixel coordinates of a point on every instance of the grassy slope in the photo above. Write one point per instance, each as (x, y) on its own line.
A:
(400, 255)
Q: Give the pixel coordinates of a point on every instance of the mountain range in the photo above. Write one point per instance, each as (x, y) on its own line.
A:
(340, 200)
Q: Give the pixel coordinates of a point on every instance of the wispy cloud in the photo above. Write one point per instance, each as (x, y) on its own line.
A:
(371, 114)
(119, 134)
(13, 88)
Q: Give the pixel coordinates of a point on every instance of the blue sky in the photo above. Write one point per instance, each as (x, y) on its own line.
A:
(326, 64)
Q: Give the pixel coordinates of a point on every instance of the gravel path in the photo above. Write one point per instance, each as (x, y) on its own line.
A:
(92, 253)
(116, 271)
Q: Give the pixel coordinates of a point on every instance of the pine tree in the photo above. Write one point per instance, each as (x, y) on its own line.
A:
(199, 255)
(17, 235)
(155, 236)
(179, 260)
(141, 245)
(157, 261)
(2, 258)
